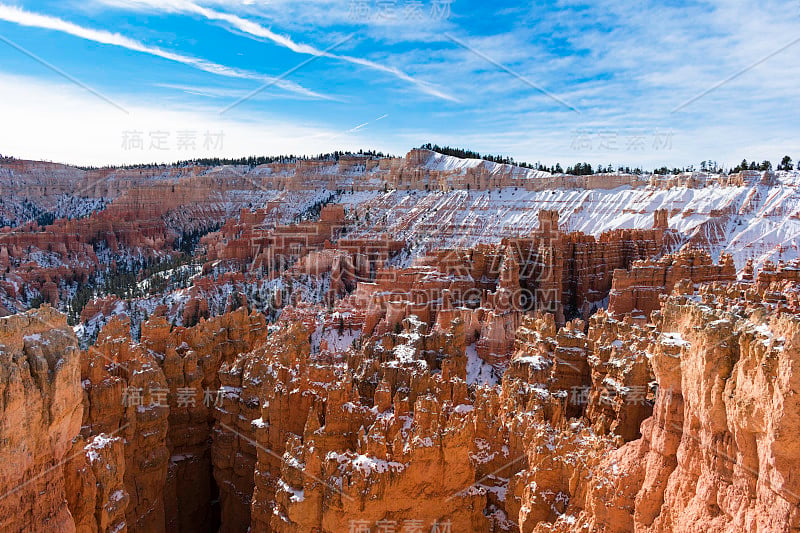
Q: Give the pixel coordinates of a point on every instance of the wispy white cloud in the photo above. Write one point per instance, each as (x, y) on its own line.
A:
(627, 75)
(29, 19)
(257, 30)
(202, 90)
(365, 124)
(60, 122)
(607, 58)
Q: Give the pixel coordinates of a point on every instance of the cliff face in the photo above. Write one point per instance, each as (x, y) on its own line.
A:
(610, 425)
(363, 445)
(398, 384)
(40, 413)
(718, 450)
(159, 395)
(637, 290)
(141, 460)
(95, 487)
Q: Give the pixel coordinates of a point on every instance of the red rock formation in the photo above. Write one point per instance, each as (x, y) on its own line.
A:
(302, 434)
(331, 460)
(95, 490)
(717, 452)
(620, 397)
(277, 247)
(40, 413)
(551, 271)
(471, 389)
(159, 395)
(637, 289)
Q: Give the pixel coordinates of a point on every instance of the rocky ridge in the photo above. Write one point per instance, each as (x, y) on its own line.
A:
(608, 426)
(320, 368)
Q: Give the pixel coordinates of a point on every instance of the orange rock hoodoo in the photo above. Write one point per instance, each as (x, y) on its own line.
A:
(547, 380)
(318, 425)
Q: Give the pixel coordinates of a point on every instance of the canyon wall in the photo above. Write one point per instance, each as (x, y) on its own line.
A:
(719, 451)
(610, 425)
(396, 383)
(636, 290)
(40, 413)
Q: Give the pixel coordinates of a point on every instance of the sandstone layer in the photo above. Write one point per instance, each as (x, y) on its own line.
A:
(396, 344)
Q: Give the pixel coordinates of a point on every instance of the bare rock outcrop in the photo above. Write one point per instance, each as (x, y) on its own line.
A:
(96, 492)
(40, 413)
(718, 451)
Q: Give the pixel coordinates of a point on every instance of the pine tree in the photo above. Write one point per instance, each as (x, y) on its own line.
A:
(742, 166)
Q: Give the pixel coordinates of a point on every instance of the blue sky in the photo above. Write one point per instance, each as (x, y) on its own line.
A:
(609, 82)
